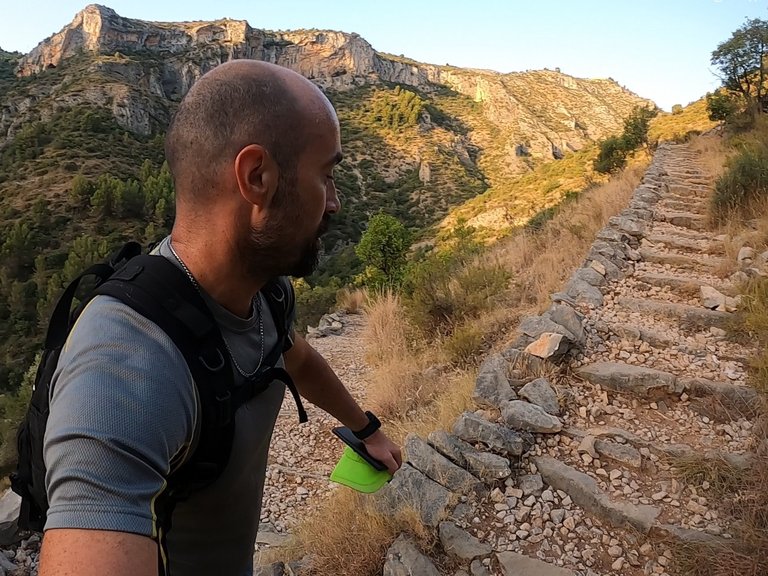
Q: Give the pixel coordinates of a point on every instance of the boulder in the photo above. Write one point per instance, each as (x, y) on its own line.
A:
(530, 484)
(513, 564)
(548, 345)
(411, 488)
(473, 429)
(404, 559)
(529, 417)
(712, 299)
(586, 493)
(438, 468)
(460, 543)
(492, 386)
(573, 321)
(535, 326)
(583, 292)
(489, 467)
(746, 256)
(590, 276)
(622, 453)
(540, 392)
(628, 379)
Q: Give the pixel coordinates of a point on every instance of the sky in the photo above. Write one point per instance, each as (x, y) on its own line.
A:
(659, 49)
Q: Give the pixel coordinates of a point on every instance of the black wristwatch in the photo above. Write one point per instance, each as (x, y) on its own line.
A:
(373, 425)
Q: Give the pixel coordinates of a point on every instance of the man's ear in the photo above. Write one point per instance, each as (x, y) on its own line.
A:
(257, 175)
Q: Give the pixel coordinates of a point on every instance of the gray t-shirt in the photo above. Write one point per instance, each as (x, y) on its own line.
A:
(124, 412)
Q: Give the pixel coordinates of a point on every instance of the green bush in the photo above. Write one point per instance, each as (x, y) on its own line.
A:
(445, 289)
(744, 183)
(612, 155)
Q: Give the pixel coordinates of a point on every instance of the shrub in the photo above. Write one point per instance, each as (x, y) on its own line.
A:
(744, 183)
(612, 155)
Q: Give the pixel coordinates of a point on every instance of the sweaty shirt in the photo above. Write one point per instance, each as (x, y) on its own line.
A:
(124, 410)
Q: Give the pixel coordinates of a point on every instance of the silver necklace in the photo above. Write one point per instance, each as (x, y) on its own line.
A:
(242, 372)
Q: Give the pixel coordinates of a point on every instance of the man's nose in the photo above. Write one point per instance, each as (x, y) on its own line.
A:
(332, 202)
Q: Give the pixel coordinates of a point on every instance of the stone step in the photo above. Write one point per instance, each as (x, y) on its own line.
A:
(638, 333)
(585, 492)
(680, 284)
(684, 219)
(513, 564)
(678, 204)
(680, 243)
(691, 315)
(672, 451)
(687, 192)
(735, 399)
(650, 383)
(679, 260)
(628, 379)
(667, 229)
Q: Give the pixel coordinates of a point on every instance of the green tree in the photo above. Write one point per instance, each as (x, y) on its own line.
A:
(382, 249)
(720, 106)
(636, 127)
(612, 155)
(741, 61)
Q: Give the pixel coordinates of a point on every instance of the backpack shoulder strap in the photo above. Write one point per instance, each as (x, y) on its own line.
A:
(160, 291)
(280, 298)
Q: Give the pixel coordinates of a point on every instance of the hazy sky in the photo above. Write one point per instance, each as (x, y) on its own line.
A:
(659, 49)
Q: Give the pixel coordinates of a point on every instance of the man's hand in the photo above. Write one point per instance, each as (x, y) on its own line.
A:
(384, 450)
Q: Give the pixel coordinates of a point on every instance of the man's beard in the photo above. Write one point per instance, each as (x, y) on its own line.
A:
(273, 250)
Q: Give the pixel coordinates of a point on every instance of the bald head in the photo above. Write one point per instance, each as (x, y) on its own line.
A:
(236, 104)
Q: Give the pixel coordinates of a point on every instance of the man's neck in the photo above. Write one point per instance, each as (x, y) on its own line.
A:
(217, 272)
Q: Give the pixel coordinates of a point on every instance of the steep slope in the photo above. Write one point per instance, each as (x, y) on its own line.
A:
(82, 118)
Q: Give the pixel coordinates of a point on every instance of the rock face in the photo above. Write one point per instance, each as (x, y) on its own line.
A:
(337, 60)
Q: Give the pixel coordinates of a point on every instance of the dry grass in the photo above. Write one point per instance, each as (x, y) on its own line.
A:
(418, 384)
(744, 493)
(351, 300)
(386, 335)
(541, 261)
(354, 536)
(718, 473)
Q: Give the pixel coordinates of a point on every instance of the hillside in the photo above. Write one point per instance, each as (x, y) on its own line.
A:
(82, 118)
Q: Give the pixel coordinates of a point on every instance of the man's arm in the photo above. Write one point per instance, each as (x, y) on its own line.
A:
(317, 382)
(75, 552)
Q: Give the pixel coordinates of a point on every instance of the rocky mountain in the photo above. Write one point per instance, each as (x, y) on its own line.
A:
(82, 118)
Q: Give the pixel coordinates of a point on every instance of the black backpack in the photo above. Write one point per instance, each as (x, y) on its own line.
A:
(159, 290)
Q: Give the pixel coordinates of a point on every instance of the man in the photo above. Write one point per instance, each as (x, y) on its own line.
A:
(252, 151)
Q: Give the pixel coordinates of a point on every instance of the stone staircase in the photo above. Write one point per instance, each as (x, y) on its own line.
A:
(568, 466)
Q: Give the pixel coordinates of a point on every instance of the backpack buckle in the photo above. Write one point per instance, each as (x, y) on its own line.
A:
(218, 362)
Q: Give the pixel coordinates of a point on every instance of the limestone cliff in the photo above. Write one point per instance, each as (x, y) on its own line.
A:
(541, 114)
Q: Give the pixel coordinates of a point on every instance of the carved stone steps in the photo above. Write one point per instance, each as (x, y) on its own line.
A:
(585, 492)
(678, 204)
(689, 244)
(684, 219)
(680, 260)
(690, 315)
(680, 284)
(650, 383)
